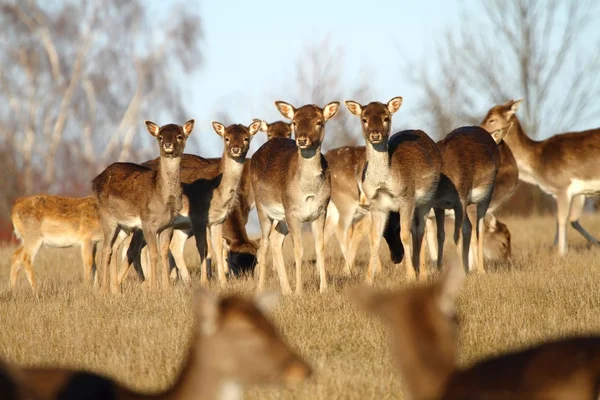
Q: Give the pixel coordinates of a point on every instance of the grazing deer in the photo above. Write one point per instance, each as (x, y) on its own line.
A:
(210, 194)
(233, 346)
(57, 222)
(292, 185)
(277, 129)
(345, 212)
(565, 165)
(423, 326)
(131, 196)
(401, 175)
(471, 161)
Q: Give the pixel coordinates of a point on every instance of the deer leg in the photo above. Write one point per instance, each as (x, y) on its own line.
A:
(576, 212)
(94, 267)
(430, 238)
(110, 230)
(378, 220)
(563, 203)
(318, 226)
(25, 258)
(216, 238)
(359, 230)
(151, 242)
(331, 222)
(15, 265)
(277, 237)
(273, 228)
(261, 254)
(200, 232)
(295, 228)
(459, 216)
(467, 231)
(178, 240)
(440, 219)
(417, 233)
(133, 253)
(391, 234)
(406, 221)
(482, 208)
(164, 241)
(87, 256)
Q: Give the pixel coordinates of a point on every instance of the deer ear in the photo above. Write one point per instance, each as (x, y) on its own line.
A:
(188, 127)
(263, 125)
(254, 127)
(513, 106)
(330, 110)
(206, 310)
(152, 128)
(219, 128)
(394, 104)
(499, 134)
(287, 110)
(451, 282)
(267, 301)
(353, 107)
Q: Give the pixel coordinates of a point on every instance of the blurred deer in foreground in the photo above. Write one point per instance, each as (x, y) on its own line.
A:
(131, 196)
(54, 221)
(422, 328)
(233, 346)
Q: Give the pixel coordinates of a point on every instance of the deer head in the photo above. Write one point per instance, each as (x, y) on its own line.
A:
(376, 118)
(245, 345)
(277, 129)
(497, 239)
(236, 138)
(171, 138)
(500, 117)
(308, 122)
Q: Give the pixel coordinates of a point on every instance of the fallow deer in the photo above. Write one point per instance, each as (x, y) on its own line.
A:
(292, 185)
(565, 166)
(422, 329)
(233, 346)
(401, 175)
(471, 161)
(210, 195)
(131, 196)
(345, 214)
(54, 221)
(277, 129)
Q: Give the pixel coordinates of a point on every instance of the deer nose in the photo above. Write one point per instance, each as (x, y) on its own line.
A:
(168, 146)
(301, 142)
(236, 150)
(375, 136)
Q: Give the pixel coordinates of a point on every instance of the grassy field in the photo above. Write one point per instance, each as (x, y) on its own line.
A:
(139, 338)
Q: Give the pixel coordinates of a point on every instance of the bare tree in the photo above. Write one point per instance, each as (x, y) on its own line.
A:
(319, 80)
(79, 76)
(541, 51)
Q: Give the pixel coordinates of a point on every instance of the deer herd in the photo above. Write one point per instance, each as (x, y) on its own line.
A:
(400, 186)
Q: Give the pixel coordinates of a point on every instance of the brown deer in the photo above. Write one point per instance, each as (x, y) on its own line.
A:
(292, 185)
(54, 221)
(211, 194)
(131, 196)
(564, 165)
(277, 129)
(471, 161)
(401, 175)
(233, 346)
(423, 326)
(346, 215)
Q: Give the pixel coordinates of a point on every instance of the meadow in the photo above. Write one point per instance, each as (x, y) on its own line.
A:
(140, 337)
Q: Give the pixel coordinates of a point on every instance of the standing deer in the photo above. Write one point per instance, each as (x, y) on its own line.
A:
(470, 164)
(131, 196)
(292, 185)
(565, 166)
(233, 346)
(401, 175)
(277, 129)
(57, 222)
(423, 328)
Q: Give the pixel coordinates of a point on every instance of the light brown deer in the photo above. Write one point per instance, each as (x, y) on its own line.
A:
(131, 196)
(565, 166)
(401, 175)
(210, 195)
(54, 221)
(471, 161)
(346, 214)
(422, 329)
(277, 129)
(292, 185)
(233, 346)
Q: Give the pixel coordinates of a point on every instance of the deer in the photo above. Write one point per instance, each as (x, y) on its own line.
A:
(277, 129)
(471, 161)
(292, 185)
(423, 323)
(564, 166)
(210, 195)
(346, 215)
(54, 221)
(401, 175)
(233, 346)
(131, 196)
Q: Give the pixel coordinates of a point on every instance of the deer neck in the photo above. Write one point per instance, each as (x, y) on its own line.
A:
(231, 170)
(525, 150)
(169, 181)
(309, 164)
(378, 159)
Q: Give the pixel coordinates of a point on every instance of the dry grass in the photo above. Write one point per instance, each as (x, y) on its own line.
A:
(140, 337)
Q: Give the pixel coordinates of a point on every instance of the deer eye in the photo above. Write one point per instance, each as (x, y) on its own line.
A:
(491, 121)
(180, 138)
(364, 120)
(319, 123)
(227, 139)
(160, 138)
(386, 120)
(246, 140)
